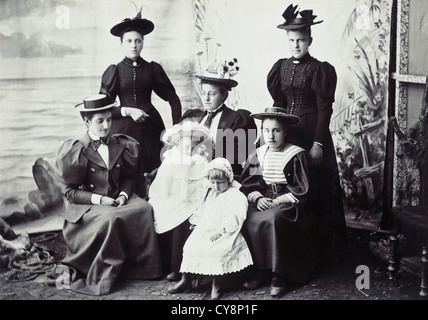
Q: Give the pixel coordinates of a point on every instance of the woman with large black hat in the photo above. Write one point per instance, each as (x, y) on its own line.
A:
(305, 87)
(108, 230)
(281, 226)
(133, 80)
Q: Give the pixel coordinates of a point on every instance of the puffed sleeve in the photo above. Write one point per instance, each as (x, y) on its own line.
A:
(274, 85)
(324, 84)
(251, 179)
(165, 89)
(70, 170)
(130, 153)
(245, 122)
(110, 87)
(300, 183)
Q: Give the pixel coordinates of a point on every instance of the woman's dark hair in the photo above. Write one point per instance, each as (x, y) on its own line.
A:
(305, 30)
(224, 89)
(129, 29)
(86, 114)
(281, 120)
(90, 114)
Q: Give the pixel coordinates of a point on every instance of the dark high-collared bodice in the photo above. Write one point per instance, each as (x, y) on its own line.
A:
(305, 87)
(134, 82)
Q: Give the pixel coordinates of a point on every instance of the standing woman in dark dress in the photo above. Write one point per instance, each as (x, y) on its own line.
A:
(133, 80)
(305, 87)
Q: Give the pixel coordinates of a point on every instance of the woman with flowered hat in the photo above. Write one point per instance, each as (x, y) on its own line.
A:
(281, 227)
(305, 87)
(133, 80)
(233, 131)
(108, 229)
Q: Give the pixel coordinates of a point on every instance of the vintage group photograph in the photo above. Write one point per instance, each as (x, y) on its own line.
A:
(187, 150)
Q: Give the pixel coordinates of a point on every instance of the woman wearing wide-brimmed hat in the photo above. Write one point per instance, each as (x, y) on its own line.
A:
(108, 230)
(230, 129)
(280, 227)
(305, 87)
(133, 80)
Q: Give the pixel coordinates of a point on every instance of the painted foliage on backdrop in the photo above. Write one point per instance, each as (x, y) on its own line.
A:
(359, 124)
(354, 38)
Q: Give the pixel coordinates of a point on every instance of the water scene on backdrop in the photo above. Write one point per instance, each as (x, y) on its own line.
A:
(37, 116)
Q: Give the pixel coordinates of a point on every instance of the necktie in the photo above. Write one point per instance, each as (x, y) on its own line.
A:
(96, 143)
(210, 117)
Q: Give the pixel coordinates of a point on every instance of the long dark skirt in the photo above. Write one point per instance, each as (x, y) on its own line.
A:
(108, 243)
(330, 210)
(277, 242)
(171, 244)
(148, 134)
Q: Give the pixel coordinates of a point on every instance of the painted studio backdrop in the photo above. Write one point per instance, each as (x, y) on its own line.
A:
(53, 53)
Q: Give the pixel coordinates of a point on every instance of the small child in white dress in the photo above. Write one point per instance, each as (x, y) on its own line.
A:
(216, 245)
(178, 189)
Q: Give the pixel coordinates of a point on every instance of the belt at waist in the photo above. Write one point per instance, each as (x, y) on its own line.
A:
(277, 188)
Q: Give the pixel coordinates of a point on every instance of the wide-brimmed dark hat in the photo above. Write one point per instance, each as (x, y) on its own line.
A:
(292, 22)
(143, 26)
(98, 102)
(276, 112)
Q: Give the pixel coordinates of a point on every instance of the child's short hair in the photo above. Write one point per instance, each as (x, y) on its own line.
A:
(215, 173)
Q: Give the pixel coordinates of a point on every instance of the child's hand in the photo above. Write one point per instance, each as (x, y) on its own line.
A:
(215, 237)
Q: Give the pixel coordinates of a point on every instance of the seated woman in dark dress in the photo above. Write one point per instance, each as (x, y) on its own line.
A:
(280, 227)
(109, 230)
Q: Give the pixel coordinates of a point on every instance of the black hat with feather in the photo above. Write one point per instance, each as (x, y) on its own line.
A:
(143, 26)
(292, 22)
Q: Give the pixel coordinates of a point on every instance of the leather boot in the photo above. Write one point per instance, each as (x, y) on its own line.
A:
(184, 285)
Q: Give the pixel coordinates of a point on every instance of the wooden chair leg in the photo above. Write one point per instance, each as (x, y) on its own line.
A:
(393, 258)
(424, 273)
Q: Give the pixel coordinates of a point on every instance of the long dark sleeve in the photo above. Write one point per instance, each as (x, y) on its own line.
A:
(110, 87)
(165, 90)
(274, 85)
(71, 168)
(324, 84)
